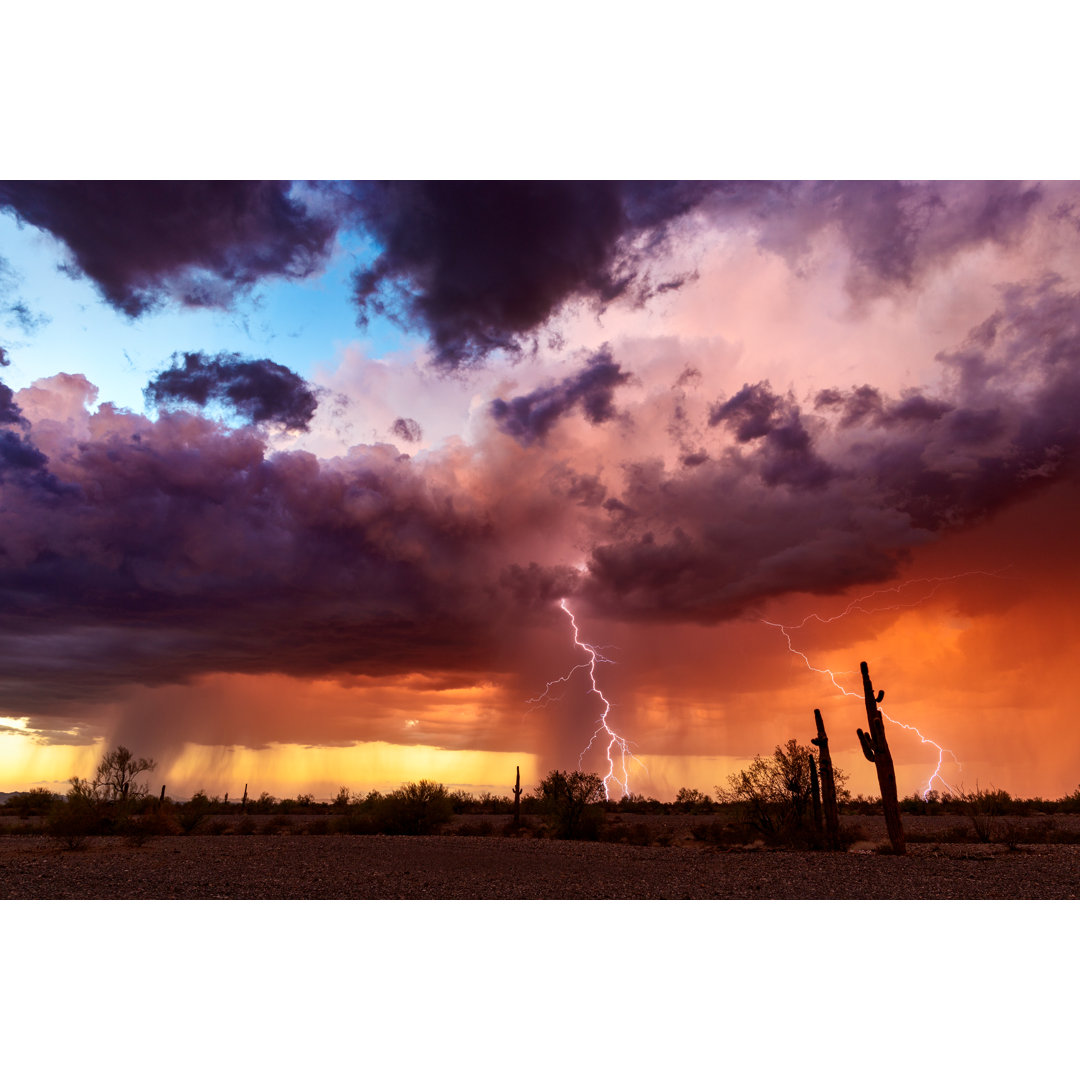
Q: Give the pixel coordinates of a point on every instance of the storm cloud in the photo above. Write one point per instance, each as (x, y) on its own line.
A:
(674, 478)
(481, 265)
(259, 391)
(530, 417)
(197, 243)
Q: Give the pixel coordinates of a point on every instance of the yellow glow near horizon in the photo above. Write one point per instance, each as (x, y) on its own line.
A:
(286, 770)
(26, 762)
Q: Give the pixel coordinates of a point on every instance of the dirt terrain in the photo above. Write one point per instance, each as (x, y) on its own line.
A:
(310, 867)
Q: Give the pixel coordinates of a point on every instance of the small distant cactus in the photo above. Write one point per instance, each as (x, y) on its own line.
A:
(517, 799)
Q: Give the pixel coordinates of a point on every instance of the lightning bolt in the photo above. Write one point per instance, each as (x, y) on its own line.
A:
(931, 586)
(616, 747)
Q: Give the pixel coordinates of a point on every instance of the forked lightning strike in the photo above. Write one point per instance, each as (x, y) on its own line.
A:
(617, 750)
(859, 606)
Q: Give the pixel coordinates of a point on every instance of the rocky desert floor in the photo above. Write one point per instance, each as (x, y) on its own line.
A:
(286, 866)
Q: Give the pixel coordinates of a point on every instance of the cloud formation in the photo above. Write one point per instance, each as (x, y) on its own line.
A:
(197, 243)
(406, 428)
(260, 391)
(153, 551)
(179, 552)
(480, 265)
(530, 417)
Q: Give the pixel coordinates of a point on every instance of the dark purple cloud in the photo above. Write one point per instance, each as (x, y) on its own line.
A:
(10, 413)
(481, 265)
(20, 460)
(530, 417)
(406, 428)
(866, 405)
(817, 502)
(155, 551)
(176, 547)
(195, 242)
(895, 231)
(785, 453)
(18, 454)
(260, 391)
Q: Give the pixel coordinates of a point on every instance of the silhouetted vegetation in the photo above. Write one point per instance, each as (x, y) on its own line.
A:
(37, 802)
(773, 795)
(766, 803)
(573, 804)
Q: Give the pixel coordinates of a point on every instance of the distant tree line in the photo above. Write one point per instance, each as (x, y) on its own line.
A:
(769, 800)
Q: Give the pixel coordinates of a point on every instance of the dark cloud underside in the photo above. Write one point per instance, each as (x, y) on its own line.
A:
(259, 391)
(195, 242)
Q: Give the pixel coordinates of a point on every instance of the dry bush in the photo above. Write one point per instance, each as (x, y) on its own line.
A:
(572, 804)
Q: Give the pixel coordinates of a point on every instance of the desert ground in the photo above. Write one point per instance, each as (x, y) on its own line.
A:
(665, 863)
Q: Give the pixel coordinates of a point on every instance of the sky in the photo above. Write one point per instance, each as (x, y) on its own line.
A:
(300, 481)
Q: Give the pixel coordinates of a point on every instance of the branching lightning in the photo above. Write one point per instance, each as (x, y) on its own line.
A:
(860, 605)
(616, 747)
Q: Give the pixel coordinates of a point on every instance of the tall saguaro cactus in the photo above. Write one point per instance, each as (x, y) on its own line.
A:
(517, 799)
(875, 748)
(828, 784)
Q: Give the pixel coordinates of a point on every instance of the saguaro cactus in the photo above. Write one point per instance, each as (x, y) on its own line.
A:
(828, 784)
(243, 801)
(161, 798)
(876, 749)
(517, 799)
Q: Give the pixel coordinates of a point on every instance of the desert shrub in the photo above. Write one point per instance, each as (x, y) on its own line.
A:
(245, 826)
(77, 816)
(983, 808)
(36, 802)
(692, 801)
(572, 804)
(1068, 804)
(920, 806)
(773, 795)
(319, 827)
(413, 809)
(639, 804)
(463, 802)
(138, 828)
(191, 814)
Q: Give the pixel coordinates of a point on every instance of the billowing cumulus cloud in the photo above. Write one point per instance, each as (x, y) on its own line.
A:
(166, 549)
(260, 391)
(194, 242)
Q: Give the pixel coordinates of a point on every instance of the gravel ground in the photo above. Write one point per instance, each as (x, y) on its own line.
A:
(499, 868)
